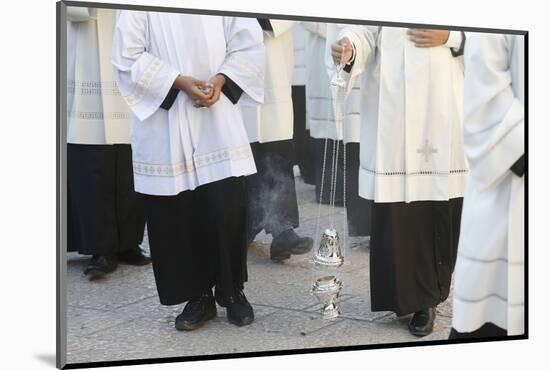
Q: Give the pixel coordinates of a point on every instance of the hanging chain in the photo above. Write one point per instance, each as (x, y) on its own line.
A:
(317, 226)
(338, 116)
(341, 104)
(339, 119)
(333, 185)
(321, 192)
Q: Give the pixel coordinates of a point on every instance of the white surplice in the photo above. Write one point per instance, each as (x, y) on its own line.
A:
(489, 273)
(411, 116)
(321, 107)
(274, 120)
(184, 147)
(96, 113)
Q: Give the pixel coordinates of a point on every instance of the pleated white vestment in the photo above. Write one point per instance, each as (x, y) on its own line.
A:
(184, 147)
(319, 102)
(274, 119)
(299, 37)
(489, 274)
(96, 113)
(411, 116)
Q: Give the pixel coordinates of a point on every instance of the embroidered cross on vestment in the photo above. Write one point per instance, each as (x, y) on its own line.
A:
(427, 150)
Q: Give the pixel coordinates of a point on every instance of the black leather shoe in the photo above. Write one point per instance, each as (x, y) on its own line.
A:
(99, 266)
(287, 243)
(239, 311)
(278, 254)
(196, 312)
(422, 322)
(134, 257)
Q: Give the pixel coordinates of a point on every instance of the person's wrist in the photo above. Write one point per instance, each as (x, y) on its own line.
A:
(352, 57)
(182, 83)
(220, 79)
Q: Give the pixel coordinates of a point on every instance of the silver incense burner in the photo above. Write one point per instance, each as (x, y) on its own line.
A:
(327, 290)
(330, 250)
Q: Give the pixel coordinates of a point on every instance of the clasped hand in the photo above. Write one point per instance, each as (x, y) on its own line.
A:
(202, 93)
(423, 38)
(341, 52)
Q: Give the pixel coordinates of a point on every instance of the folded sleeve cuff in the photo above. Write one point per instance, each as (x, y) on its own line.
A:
(501, 158)
(456, 42)
(519, 166)
(170, 98)
(265, 24)
(349, 65)
(151, 92)
(231, 90)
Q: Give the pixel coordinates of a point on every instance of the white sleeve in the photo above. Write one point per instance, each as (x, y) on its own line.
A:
(454, 40)
(279, 27)
(318, 28)
(245, 56)
(81, 14)
(144, 80)
(493, 116)
(363, 39)
(333, 31)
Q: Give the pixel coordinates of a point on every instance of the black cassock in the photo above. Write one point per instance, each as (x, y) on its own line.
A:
(105, 215)
(198, 241)
(413, 250)
(303, 143)
(271, 192)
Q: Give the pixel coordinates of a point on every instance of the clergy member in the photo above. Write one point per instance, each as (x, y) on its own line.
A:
(181, 76)
(488, 297)
(106, 218)
(272, 204)
(412, 161)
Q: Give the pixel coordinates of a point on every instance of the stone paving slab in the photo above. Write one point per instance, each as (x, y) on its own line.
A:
(358, 308)
(121, 317)
(279, 295)
(83, 321)
(125, 285)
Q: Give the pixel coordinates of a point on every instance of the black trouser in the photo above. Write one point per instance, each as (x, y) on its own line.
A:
(303, 149)
(488, 330)
(359, 209)
(272, 205)
(197, 240)
(105, 214)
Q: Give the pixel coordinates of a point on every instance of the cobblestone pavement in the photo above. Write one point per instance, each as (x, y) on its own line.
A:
(121, 318)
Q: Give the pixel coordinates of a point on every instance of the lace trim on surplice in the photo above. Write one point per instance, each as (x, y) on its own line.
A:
(147, 169)
(416, 173)
(142, 86)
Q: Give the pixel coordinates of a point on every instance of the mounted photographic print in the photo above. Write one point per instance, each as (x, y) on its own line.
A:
(237, 184)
